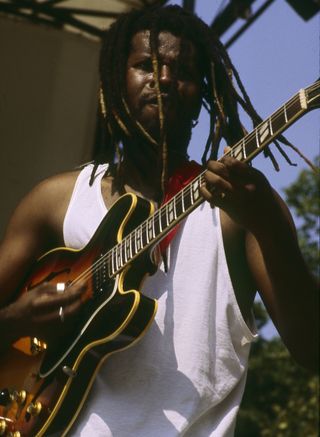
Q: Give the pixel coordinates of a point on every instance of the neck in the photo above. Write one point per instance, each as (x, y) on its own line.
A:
(141, 168)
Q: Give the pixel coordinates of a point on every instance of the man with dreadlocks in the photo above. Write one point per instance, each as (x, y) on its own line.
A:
(187, 374)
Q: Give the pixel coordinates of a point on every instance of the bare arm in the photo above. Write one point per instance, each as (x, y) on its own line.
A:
(285, 284)
(273, 255)
(35, 227)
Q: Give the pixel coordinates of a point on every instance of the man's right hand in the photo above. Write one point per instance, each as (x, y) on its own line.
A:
(42, 312)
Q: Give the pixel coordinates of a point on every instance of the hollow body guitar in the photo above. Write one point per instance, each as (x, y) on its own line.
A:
(43, 386)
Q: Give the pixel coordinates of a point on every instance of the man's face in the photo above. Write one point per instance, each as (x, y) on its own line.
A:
(179, 80)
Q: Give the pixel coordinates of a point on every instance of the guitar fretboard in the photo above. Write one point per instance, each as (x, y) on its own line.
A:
(159, 224)
(156, 226)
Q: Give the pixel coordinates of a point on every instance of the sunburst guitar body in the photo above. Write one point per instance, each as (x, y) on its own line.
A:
(43, 386)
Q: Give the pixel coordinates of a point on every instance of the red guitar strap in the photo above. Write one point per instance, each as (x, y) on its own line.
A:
(180, 178)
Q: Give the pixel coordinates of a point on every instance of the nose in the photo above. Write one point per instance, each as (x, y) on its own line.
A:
(165, 77)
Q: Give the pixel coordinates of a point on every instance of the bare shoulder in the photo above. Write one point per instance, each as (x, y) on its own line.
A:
(45, 205)
(34, 228)
(54, 187)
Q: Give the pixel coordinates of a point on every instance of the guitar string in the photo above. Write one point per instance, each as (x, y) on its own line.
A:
(161, 213)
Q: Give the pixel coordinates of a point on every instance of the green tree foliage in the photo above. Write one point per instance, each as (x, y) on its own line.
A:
(281, 398)
(304, 200)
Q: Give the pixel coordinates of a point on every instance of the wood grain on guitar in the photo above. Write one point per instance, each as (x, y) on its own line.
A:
(43, 386)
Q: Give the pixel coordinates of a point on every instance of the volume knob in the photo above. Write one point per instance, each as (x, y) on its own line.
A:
(34, 408)
(3, 426)
(20, 396)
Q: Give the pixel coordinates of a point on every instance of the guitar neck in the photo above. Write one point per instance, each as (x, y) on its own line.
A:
(189, 198)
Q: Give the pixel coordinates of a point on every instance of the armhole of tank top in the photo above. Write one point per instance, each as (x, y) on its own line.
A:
(73, 195)
(85, 175)
(99, 175)
(250, 331)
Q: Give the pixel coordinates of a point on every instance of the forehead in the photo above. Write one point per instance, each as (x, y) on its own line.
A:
(169, 45)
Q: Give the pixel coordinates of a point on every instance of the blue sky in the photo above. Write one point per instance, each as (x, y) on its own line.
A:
(275, 57)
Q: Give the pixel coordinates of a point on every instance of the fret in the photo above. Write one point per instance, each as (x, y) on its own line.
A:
(109, 267)
(138, 238)
(279, 121)
(263, 131)
(257, 138)
(244, 151)
(123, 252)
(116, 259)
(128, 248)
(178, 206)
(285, 113)
(182, 200)
(150, 229)
(119, 256)
(270, 125)
(122, 249)
(187, 198)
(293, 109)
(136, 250)
(157, 223)
(238, 152)
(144, 236)
(146, 233)
(132, 244)
(166, 215)
(251, 145)
(163, 218)
(113, 261)
(174, 207)
(170, 214)
(195, 190)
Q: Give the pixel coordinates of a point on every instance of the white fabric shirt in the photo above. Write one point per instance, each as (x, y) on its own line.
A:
(186, 376)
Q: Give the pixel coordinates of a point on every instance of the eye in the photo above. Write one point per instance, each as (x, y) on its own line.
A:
(145, 64)
(186, 73)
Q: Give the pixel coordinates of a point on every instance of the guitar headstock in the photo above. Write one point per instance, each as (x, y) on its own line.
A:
(313, 95)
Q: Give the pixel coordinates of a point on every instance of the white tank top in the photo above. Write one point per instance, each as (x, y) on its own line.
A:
(186, 376)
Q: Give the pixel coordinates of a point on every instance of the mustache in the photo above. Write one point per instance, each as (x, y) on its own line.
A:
(170, 99)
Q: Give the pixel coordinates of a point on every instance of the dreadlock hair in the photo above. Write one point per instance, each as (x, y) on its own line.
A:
(220, 96)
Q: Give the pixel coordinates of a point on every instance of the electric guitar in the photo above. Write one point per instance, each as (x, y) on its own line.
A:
(43, 386)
